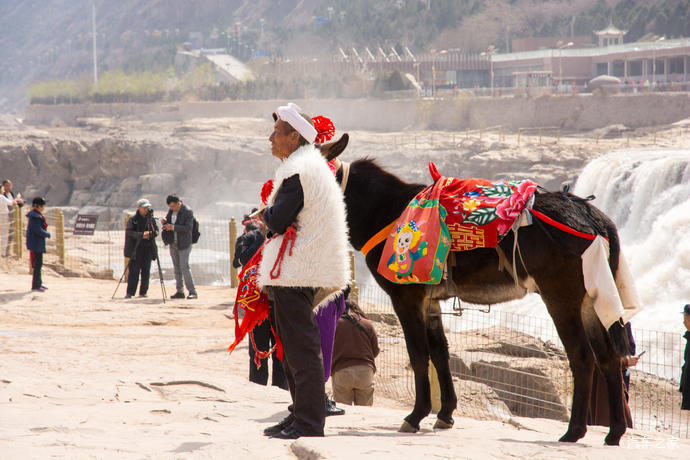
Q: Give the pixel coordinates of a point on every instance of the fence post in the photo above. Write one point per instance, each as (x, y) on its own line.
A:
(627, 142)
(558, 139)
(126, 270)
(354, 290)
(539, 136)
(18, 231)
(435, 388)
(232, 231)
(60, 235)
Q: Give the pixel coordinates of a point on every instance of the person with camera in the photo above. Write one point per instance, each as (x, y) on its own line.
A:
(139, 247)
(178, 225)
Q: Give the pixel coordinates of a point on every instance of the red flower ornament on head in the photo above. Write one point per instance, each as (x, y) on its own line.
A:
(266, 191)
(324, 128)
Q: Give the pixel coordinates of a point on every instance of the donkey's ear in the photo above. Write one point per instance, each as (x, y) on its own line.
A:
(333, 149)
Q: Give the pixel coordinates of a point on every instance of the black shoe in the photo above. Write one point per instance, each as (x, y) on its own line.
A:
(288, 433)
(331, 408)
(128, 296)
(177, 295)
(283, 425)
(142, 296)
(192, 296)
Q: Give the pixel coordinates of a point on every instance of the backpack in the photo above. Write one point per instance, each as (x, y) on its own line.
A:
(195, 231)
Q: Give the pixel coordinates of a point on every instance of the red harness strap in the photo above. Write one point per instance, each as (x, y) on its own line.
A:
(562, 227)
(290, 236)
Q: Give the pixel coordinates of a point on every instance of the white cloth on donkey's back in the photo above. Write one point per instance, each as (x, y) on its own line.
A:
(613, 299)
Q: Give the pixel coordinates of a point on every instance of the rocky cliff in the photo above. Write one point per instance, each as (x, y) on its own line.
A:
(218, 165)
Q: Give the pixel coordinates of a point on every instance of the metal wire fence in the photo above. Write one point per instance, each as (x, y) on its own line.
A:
(506, 364)
(101, 255)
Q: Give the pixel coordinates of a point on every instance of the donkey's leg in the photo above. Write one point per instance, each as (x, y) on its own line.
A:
(565, 313)
(438, 346)
(609, 362)
(407, 306)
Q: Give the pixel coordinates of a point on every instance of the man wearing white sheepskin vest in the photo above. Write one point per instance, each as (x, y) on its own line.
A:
(308, 253)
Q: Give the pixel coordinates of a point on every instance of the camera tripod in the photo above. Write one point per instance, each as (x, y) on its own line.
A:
(152, 231)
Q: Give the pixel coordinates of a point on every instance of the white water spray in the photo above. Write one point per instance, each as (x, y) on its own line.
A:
(647, 194)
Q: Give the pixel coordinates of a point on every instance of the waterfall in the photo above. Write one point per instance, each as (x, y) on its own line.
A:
(647, 194)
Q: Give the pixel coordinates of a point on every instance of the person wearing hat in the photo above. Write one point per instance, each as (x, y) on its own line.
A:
(306, 255)
(36, 235)
(685, 372)
(139, 248)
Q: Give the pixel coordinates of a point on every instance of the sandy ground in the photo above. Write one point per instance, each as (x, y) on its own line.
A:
(85, 376)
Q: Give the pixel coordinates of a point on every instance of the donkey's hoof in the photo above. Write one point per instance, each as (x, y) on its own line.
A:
(443, 425)
(612, 439)
(571, 436)
(406, 427)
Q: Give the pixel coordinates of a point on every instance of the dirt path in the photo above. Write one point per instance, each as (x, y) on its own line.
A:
(84, 376)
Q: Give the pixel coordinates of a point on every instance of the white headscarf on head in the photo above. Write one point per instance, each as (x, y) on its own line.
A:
(290, 114)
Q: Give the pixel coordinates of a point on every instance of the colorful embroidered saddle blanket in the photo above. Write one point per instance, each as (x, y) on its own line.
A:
(481, 212)
(450, 215)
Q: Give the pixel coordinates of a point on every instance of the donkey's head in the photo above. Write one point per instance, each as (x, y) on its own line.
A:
(333, 149)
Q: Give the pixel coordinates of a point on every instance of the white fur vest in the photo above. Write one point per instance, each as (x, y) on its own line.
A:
(320, 256)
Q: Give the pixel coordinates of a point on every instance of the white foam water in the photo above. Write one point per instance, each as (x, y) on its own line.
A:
(647, 194)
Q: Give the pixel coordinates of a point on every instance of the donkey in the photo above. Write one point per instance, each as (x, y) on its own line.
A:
(550, 265)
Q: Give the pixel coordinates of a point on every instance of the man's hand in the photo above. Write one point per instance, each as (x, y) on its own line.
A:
(147, 235)
(168, 227)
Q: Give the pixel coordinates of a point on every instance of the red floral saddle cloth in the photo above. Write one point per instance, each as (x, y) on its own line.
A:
(481, 212)
(450, 215)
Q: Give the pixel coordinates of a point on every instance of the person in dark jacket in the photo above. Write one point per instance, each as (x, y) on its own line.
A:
(139, 248)
(177, 233)
(685, 372)
(36, 235)
(245, 247)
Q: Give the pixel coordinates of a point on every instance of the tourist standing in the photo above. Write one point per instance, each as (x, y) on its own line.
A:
(10, 199)
(177, 233)
(139, 248)
(306, 216)
(36, 235)
(685, 372)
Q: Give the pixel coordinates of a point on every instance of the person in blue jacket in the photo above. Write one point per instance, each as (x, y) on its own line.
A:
(36, 235)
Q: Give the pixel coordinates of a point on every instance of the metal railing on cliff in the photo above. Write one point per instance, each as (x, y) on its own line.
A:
(506, 364)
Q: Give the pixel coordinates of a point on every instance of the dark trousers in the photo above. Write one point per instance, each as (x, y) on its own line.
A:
(141, 265)
(264, 340)
(36, 281)
(302, 359)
